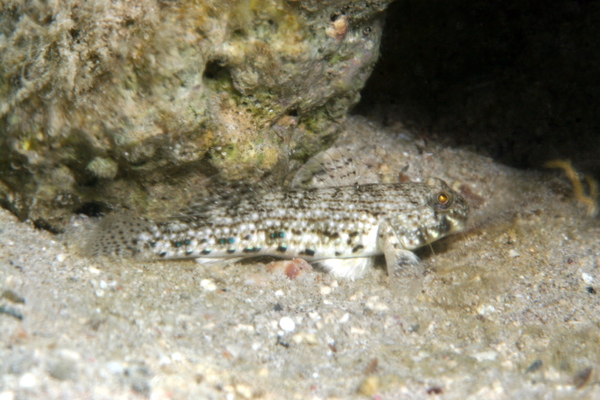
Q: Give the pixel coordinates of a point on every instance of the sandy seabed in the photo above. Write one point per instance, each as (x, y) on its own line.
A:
(509, 308)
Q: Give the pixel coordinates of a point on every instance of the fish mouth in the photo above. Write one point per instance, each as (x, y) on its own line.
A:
(456, 224)
(448, 225)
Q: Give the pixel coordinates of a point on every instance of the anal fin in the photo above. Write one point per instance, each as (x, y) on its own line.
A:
(347, 268)
(209, 262)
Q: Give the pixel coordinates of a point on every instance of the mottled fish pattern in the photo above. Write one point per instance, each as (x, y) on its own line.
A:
(341, 227)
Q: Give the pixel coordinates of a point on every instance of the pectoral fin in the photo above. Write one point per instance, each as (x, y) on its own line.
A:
(404, 269)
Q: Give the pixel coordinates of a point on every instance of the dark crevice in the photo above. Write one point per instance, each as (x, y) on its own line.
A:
(514, 80)
(46, 226)
(92, 209)
(215, 70)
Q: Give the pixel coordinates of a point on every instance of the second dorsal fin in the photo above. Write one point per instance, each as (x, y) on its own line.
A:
(332, 167)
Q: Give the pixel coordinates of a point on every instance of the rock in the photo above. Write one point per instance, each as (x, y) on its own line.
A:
(106, 93)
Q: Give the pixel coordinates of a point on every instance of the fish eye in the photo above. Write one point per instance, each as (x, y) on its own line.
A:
(442, 200)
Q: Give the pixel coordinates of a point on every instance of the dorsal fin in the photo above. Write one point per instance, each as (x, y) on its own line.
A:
(221, 196)
(332, 167)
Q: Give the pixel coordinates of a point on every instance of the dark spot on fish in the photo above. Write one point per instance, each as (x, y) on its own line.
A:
(357, 248)
(277, 234)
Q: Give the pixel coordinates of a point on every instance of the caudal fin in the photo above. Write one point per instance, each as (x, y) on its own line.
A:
(118, 236)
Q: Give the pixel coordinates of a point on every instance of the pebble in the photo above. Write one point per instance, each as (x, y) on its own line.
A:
(208, 285)
(245, 328)
(235, 350)
(373, 383)
(141, 386)
(357, 331)
(63, 369)
(374, 304)
(513, 253)
(485, 356)
(164, 360)
(28, 381)
(287, 324)
(115, 367)
(486, 309)
(13, 297)
(160, 394)
(292, 269)
(61, 257)
(587, 278)
(65, 366)
(244, 391)
(8, 395)
(325, 290)
(305, 337)
(138, 379)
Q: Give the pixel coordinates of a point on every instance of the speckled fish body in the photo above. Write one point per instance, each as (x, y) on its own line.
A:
(343, 227)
